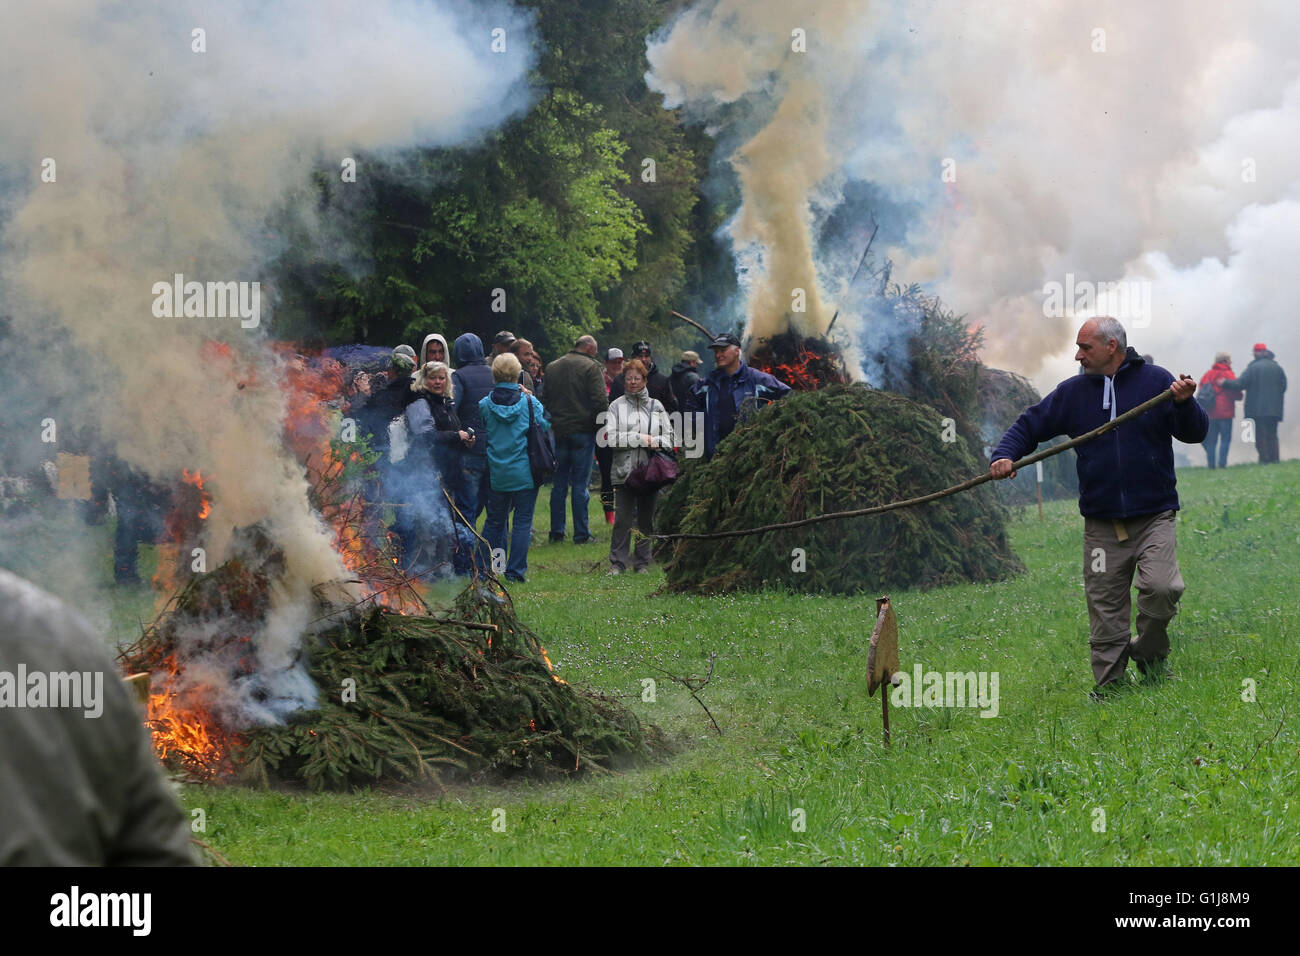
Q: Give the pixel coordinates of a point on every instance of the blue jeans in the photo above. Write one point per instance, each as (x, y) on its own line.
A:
(1220, 433)
(499, 506)
(471, 498)
(574, 455)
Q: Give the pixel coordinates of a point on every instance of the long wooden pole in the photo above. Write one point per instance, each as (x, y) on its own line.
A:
(1128, 416)
(694, 323)
(854, 276)
(884, 707)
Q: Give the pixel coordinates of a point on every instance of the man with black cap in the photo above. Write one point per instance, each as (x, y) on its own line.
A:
(501, 343)
(723, 395)
(1264, 383)
(657, 382)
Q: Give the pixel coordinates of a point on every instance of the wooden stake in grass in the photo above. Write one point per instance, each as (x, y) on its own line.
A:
(882, 656)
(1039, 465)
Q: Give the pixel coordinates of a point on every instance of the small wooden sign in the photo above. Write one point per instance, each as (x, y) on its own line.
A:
(74, 477)
(882, 657)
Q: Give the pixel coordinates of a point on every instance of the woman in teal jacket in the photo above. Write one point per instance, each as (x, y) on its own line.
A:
(505, 417)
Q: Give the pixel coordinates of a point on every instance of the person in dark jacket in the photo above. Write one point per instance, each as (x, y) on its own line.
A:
(1265, 385)
(506, 413)
(1128, 493)
(731, 390)
(448, 438)
(575, 395)
(658, 383)
(424, 520)
(1220, 434)
(471, 383)
(604, 453)
(79, 784)
(141, 503)
(389, 401)
(684, 379)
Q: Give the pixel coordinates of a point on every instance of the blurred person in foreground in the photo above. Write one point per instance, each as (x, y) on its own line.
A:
(79, 784)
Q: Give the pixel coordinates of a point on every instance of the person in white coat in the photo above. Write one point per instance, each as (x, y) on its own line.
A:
(636, 426)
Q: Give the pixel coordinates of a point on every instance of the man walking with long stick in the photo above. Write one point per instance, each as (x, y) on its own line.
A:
(1127, 491)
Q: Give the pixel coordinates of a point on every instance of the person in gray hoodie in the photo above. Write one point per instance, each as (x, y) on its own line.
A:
(430, 348)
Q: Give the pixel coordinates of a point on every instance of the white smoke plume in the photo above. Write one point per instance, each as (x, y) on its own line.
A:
(1008, 146)
(145, 140)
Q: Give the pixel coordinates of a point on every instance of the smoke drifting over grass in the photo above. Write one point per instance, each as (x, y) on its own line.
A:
(145, 141)
(1114, 142)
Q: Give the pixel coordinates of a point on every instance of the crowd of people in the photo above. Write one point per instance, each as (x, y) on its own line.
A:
(458, 429)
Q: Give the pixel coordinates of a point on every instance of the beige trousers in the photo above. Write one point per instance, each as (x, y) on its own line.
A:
(1112, 551)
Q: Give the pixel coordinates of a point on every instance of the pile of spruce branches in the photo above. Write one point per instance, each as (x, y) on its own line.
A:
(837, 449)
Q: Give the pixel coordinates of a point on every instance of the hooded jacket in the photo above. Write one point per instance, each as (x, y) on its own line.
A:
(1265, 385)
(505, 418)
(1224, 398)
(446, 350)
(629, 417)
(471, 383)
(1127, 472)
(424, 349)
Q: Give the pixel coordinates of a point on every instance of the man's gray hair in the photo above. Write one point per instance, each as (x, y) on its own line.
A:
(584, 343)
(1109, 328)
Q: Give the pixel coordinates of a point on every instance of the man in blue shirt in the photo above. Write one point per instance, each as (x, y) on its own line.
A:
(722, 395)
(1127, 491)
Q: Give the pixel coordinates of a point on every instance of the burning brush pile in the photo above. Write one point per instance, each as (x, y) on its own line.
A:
(365, 681)
(803, 363)
(370, 695)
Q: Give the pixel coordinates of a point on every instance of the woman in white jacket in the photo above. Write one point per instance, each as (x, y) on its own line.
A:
(636, 426)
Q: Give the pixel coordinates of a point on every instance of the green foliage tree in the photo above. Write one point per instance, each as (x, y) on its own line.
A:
(559, 208)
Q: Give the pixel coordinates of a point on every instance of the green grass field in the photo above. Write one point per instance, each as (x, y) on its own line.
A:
(1185, 771)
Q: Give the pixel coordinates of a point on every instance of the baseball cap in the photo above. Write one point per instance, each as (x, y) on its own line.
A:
(404, 357)
(503, 338)
(613, 355)
(689, 356)
(723, 340)
(640, 347)
(1261, 347)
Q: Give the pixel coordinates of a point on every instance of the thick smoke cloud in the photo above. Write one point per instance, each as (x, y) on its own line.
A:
(1106, 141)
(172, 133)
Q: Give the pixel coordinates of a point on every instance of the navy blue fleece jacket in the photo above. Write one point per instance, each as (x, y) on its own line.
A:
(1127, 472)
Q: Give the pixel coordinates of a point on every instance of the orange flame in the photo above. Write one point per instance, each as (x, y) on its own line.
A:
(195, 478)
(554, 676)
(185, 734)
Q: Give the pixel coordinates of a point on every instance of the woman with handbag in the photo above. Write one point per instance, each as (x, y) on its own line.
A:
(639, 431)
(509, 413)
